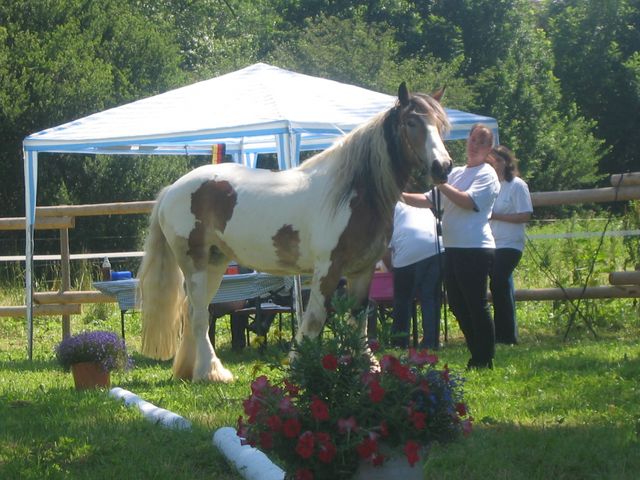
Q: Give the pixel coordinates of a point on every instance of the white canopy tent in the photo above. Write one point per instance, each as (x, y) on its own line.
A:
(258, 109)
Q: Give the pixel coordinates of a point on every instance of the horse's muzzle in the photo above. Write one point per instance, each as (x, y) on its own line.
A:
(440, 172)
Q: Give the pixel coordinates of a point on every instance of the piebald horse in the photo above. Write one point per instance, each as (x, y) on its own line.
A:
(330, 217)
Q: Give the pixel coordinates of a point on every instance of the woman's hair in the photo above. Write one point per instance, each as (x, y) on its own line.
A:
(486, 132)
(510, 161)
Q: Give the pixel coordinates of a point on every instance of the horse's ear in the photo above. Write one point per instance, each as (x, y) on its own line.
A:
(403, 94)
(438, 94)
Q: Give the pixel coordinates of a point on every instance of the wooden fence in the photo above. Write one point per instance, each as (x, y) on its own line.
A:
(66, 302)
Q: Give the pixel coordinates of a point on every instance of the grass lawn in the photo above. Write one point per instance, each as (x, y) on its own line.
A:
(549, 408)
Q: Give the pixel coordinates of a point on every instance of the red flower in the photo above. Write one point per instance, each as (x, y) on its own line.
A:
(347, 424)
(329, 362)
(266, 440)
(445, 373)
(275, 423)
(411, 451)
(388, 362)
(251, 407)
(421, 357)
(367, 447)
(304, 474)
(461, 408)
(259, 384)
(384, 428)
(467, 427)
(291, 388)
(403, 372)
(326, 451)
(304, 448)
(418, 419)
(376, 392)
(286, 406)
(374, 345)
(291, 428)
(319, 410)
(377, 459)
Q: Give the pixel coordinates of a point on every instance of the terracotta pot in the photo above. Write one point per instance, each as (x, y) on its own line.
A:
(87, 375)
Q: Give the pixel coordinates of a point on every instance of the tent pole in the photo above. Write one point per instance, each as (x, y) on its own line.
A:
(30, 188)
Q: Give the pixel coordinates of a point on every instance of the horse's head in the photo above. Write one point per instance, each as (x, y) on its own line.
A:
(420, 122)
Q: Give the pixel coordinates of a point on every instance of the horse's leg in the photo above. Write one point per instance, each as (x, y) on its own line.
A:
(315, 314)
(196, 354)
(358, 291)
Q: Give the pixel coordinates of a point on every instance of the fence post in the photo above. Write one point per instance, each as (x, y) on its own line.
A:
(65, 273)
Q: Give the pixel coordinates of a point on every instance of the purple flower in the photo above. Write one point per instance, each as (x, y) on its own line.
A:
(102, 347)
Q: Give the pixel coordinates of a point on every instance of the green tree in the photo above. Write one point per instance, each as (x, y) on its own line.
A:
(509, 62)
(61, 60)
(597, 50)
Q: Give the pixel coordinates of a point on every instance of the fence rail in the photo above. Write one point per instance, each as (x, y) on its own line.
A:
(66, 302)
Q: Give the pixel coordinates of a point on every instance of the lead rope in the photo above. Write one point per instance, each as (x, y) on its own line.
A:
(435, 195)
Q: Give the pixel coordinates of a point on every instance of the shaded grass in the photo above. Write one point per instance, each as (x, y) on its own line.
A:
(549, 409)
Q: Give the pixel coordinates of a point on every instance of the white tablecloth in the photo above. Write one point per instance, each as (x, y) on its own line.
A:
(243, 286)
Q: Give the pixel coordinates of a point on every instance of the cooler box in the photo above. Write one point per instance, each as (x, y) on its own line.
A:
(381, 289)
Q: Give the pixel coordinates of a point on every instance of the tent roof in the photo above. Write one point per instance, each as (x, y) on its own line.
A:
(246, 110)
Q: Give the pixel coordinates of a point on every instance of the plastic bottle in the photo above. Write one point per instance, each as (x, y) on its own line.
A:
(106, 269)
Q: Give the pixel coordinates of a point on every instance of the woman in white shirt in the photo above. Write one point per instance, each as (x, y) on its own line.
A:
(511, 212)
(468, 198)
(415, 258)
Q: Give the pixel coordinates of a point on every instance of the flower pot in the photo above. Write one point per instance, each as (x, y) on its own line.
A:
(395, 466)
(87, 375)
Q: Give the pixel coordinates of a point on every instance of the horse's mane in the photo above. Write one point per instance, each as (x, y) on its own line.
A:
(361, 159)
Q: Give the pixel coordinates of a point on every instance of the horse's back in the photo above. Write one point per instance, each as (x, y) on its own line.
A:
(271, 221)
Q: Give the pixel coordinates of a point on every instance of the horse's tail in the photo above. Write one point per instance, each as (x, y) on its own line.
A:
(160, 291)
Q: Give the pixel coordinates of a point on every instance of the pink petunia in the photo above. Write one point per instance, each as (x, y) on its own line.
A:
(346, 425)
(421, 357)
(286, 406)
(467, 426)
(259, 384)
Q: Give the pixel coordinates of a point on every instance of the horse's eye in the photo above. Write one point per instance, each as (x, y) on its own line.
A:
(411, 122)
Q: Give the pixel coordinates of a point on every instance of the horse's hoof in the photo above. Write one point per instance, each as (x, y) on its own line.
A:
(224, 376)
(219, 373)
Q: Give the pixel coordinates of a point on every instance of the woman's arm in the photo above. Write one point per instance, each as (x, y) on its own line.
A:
(416, 200)
(523, 217)
(460, 198)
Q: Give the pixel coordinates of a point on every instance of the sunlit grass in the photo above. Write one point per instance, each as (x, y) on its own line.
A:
(549, 409)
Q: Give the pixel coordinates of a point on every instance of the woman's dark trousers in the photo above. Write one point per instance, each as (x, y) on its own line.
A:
(420, 280)
(501, 286)
(466, 276)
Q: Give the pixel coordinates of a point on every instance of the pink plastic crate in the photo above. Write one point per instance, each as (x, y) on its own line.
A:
(381, 289)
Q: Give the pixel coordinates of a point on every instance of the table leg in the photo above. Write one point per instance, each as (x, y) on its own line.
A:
(122, 312)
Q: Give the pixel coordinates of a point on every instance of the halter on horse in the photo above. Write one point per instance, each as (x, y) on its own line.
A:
(329, 217)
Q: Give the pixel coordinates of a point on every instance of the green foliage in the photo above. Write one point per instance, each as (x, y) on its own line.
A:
(596, 45)
(561, 77)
